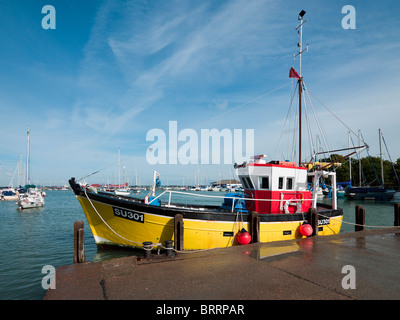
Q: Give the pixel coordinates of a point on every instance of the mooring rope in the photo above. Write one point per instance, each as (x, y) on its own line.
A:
(354, 224)
(147, 248)
(112, 230)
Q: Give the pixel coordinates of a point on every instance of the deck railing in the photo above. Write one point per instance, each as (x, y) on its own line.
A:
(281, 200)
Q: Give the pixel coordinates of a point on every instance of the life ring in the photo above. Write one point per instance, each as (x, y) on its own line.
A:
(296, 203)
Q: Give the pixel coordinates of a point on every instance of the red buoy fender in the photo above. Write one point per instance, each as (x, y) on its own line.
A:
(306, 229)
(243, 237)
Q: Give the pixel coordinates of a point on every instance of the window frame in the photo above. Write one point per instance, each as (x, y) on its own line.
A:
(291, 179)
(280, 183)
(247, 182)
(261, 184)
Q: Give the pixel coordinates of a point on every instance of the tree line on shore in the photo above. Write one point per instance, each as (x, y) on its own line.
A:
(371, 173)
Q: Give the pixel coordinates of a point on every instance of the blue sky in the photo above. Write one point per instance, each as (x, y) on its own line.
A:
(113, 70)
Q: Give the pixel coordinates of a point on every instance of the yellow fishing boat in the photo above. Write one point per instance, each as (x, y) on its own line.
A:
(276, 192)
(275, 206)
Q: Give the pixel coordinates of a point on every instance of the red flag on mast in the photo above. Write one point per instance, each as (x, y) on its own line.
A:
(293, 73)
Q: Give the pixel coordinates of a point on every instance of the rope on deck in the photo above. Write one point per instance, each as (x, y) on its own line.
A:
(354, 224)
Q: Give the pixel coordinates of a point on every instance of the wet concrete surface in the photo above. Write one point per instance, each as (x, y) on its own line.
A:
(310, 269)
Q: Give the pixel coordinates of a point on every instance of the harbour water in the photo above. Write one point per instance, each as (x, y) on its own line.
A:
(34, 238)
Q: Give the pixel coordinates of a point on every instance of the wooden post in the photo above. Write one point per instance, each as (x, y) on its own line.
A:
(312, 218)
(79, 242)
(255, 227)
(397, 214)
(360, 219)
(178, 232)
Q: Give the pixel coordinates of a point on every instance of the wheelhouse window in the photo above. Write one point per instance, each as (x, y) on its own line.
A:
(250, 184)
(280, 183)
(289, 183)
(264, 182)
(246, 182)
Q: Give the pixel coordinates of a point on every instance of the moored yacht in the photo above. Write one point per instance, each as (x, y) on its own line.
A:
(32, 198)
(8, 194)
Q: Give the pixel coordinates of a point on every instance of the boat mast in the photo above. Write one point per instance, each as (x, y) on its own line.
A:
(27, 159)
(359, 159)
(300, 81)
(349, 139)
(380, 151)
(119, 168)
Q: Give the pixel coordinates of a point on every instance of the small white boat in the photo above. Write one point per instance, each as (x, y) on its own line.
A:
(31, 199)
(122, 192)
(8, 195)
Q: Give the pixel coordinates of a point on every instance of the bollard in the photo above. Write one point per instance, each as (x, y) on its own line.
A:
(147, 249)
(168, 247)
(312, 218)
(178, 232)
(255, 227)
(397, 214)
(79, 242)
(360, 219)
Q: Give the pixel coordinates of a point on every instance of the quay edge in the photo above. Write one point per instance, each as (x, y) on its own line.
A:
(309, 268)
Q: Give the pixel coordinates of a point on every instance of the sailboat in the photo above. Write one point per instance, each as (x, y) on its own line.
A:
(121, 191)
(275, 192)
(371, 193)
(33, 197)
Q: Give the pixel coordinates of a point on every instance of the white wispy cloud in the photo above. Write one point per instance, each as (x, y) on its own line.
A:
(169, 50)
(145, 63)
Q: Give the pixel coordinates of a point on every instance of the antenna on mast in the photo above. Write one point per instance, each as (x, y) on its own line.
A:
(300, 32)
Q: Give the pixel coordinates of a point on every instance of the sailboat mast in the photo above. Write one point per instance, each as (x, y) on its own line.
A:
(380, 150)
(300, 90)
(349, 140)
(27, 158)
(119, 168)
(300, 81)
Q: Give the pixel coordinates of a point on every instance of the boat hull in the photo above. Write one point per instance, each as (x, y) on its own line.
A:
(29, 204)
(119, 221)
(369, 194)
(8, 198)
(122, 193)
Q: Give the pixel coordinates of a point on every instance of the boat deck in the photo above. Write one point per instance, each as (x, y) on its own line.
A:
(195, 207)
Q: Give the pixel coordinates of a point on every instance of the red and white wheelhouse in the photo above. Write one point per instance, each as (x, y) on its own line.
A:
(279, 187)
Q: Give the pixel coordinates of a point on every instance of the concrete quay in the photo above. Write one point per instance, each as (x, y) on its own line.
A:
(349, 266)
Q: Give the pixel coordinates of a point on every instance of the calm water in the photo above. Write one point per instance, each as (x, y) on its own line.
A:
(33, 238)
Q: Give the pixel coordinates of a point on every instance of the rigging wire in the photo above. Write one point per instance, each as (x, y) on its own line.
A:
(318, 122)
(310, 141)
(390, 158)
(359, 161)
(243, 104)
(287, 117)
(373, 168)
(211, 119)
(97, 171)
(337, 118)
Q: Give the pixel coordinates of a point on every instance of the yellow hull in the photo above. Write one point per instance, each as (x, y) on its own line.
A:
(111, 225)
